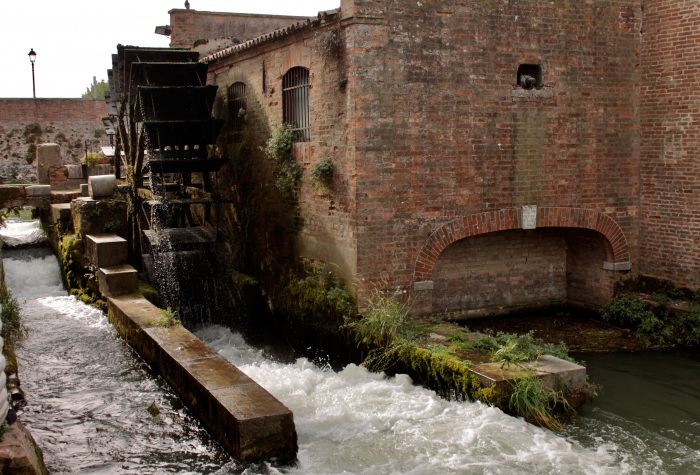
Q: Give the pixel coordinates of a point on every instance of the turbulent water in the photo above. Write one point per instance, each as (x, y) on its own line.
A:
(88, 400)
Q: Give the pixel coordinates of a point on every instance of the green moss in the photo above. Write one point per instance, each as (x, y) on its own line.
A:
(149, 293)
(71, 252)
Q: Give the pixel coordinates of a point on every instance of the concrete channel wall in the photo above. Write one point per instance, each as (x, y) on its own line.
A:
(246, 419)
(248, 422)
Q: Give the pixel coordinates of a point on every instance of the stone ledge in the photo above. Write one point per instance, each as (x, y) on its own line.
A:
(241, 415)
(617, 266)
(550, 370)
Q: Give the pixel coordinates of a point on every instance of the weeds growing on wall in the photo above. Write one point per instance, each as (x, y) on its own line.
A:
(320, 295)
(329, 44)
(288, 174)
(322, 173)
(168, 318)
(30, 155)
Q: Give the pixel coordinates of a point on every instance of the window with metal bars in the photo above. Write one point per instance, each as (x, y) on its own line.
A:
(295, 102)
(236, 105)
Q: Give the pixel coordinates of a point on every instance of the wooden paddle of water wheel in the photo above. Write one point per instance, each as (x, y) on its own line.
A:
(161, 108)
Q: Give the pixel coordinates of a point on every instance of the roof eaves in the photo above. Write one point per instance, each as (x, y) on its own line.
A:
(311, 22)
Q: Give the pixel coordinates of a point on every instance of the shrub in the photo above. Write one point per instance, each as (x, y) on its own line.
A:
(12, 328)
(167, 318)
(626, 311)
(322, 172)
(279, 145)
(30, 156)
(382, 322)
(654, 327)
(535, 403)
(288, 174)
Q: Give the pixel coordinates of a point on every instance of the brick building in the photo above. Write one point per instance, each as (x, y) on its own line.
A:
(491, 155)
(207, 31)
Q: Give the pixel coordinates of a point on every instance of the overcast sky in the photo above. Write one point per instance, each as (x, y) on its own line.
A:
(74, 39)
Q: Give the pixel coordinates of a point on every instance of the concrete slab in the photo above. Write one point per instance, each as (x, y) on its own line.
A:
(117, 280)
(64, 196)
(241, 415)
(60, 215)
(551, 371)
(74, 171)
(106, 250)
(102, 186)
(38, 190)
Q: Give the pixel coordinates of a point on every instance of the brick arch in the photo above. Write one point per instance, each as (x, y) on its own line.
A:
(506, 219)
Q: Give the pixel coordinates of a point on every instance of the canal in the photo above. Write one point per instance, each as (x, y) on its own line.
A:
(94, 407)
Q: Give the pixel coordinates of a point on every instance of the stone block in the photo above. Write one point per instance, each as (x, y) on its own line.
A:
(12, 195)
(106, 250)
(74, 171)
(19, 453)
(48, 155)
(84, 190)
(423, 285)
(99, 216)
(102, 186)
(550, 370)
(117, 280)
(33, 191)
(60, 214)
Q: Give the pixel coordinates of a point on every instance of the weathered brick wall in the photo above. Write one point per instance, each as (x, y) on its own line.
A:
(52, 110)
(670, 147)
(440, 129)
(25, 123)
(325, 225)
(588, 285)
(512, 269)
(430, 126)
(189, 26)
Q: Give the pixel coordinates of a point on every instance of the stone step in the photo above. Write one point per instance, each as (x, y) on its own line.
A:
(117, 280)
(60, 214)
(106, 250)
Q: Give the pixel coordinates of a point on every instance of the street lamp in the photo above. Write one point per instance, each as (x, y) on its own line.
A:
(32, 58)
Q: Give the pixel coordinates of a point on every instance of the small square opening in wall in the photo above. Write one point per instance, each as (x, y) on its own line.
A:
(530, 76)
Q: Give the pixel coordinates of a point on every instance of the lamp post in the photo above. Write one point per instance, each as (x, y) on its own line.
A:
(32, 58)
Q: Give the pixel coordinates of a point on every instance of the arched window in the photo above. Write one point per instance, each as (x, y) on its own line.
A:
(295, 102)
(236, 105)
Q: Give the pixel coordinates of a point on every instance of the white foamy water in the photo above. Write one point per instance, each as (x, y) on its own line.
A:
(88, 397)
(17, 232)
(357, 422)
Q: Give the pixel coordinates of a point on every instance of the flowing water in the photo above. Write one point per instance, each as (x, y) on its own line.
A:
(88, 399)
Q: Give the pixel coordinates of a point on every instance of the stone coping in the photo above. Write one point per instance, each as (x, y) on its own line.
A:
(241, 415)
